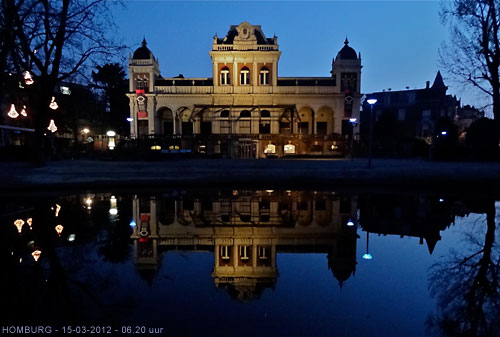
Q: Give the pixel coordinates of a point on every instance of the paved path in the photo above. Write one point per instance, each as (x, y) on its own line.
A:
(258, 173)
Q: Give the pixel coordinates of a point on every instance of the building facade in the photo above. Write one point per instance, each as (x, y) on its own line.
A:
(402, 118)
(245, 109)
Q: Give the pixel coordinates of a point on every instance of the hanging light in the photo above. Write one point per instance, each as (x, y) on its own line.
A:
(28, 79)
(12, 113)
(59, 229)
(58, 208)
(19, 224)
(29, 221)
(36, 254)
(52, 126)
(23, 111)
(53, 105)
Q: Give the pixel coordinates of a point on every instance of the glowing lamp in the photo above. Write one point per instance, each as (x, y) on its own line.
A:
(52, 126)
(59, 229)
(350, 223)
(53, 105)
(23, 111)
(110, 133)
(28, 79)
(129, 119)
(441, 200)
(71, 237)
(29, 221)
(372, 101)
(19, 224)
(58, 208)
(132, 223)
(156, 147)
(367, 256)
(36, 254)
(444, 133)
(85, 131)
(353, 120)
(12, 113)
(113, 211)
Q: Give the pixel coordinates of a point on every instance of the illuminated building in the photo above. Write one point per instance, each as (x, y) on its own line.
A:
(245, 109)
(245, 231)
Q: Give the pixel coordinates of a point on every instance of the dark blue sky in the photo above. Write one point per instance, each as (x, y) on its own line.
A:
(398, 40)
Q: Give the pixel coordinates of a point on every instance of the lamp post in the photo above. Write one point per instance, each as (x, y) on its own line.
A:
(367, 255)
(370, 101)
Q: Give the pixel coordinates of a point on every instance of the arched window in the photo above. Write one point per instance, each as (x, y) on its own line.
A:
(245, 114)
(245, 76)
(265, 114)
(264, 76)
(224, 114)
(225, 78)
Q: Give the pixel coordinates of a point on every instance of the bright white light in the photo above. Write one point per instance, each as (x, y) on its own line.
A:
(52, 126)
(441, 200)
(12, 113)
(350, 223)
(23, 111)
(372, 101)
(110, 133)
(113, 211)
(88, 201)
(65, 90)
(53, 105)
(352, 120)
(367, 256)
(36, 254)
(130, 119)
(132, 223)
(444, 133)
(111, 143)
(71, 237)
(85, 131)
(27, 78)
(59, 229)
(19, 224)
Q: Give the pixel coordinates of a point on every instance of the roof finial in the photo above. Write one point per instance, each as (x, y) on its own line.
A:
(144, 43)
(346, 42)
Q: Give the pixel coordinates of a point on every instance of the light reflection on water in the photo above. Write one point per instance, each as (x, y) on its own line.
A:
(197, 261)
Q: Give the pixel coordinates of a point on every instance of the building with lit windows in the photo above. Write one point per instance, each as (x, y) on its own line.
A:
(246, 230)
(245, 110)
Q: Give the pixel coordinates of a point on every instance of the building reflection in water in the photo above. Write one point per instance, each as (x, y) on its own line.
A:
(245, 230)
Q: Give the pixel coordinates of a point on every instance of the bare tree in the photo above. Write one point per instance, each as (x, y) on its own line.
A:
(467, 286)
(54, 40)
(473, 54)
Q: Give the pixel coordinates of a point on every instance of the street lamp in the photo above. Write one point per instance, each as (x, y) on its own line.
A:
(367, 255)
(370, 101)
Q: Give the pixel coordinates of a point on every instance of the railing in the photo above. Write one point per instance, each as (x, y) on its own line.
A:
(184, 89)
(245, 89)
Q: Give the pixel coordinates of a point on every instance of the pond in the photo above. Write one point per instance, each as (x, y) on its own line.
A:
(250, 263)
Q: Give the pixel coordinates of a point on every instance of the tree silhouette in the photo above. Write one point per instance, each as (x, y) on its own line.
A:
(467, 287)
(473, 54)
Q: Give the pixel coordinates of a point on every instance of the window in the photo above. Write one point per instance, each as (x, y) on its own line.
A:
(321, 128)
(245, 114)
(225, 252)
(142, 82)
(245, 252)
(225, 78)
(289, 148)
(263, 252)
(264, 76)
(401, 114)
(265, 114)
(224, 114)
(348, 82)
(270, 148)
(245, 76)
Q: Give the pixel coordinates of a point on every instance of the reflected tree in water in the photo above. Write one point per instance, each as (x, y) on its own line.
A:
(467, 286)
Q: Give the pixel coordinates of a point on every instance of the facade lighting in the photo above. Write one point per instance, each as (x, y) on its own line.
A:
(19, 224)
(28, 79)
(52, 126)
(12, 113)
(36, 254)
(53, 105)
